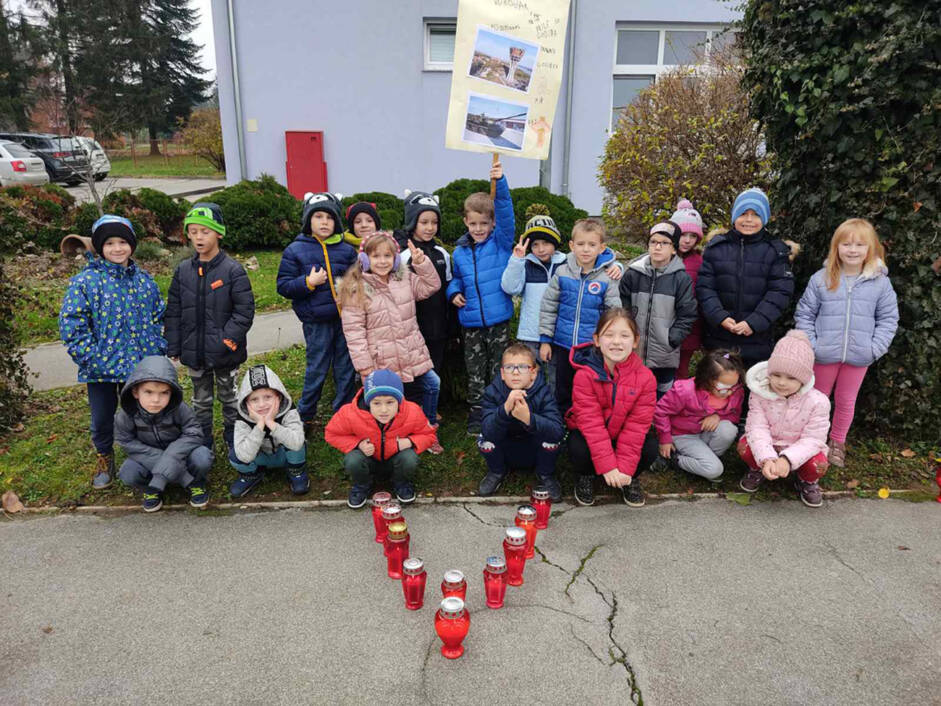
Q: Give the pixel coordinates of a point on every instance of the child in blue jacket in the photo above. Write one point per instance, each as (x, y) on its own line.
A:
(308, 274)
(111, 317)
(484, 309)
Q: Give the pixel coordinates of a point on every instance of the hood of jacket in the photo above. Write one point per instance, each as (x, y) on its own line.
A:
(153, 368)
(759, 382)
(642, 264)
(605, 258)
(257, 377)
(331, 240)
(588, 356)
(876, 268)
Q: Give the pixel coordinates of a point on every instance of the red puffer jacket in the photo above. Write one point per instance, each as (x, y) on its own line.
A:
(613, 412)
(352, 423)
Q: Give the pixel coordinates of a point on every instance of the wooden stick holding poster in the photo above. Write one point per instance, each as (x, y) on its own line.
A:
(508, 59)
(493, 182)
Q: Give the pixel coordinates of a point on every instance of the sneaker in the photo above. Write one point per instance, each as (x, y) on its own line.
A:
(490, 484)
(104, 471)
(837, 455)
(244, 484)
(436, 448)
(299, 480)
(633, 494)
(660, 465)
(405, 493)
(750, 481)
(152, 501)
(585, 490)
(199, 496)
(473, 421)
(358, 495)
(810, 493)
(553, 486)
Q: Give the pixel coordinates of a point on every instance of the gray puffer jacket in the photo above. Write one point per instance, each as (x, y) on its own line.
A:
(854, 324)
(163, 441)
(250, 440)
(664, 307)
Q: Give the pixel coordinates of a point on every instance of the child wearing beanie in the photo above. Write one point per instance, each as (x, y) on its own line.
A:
(111, 318)
(788, 421)
(381, 434)
(690, 252)
(363, 219)
(745, 282)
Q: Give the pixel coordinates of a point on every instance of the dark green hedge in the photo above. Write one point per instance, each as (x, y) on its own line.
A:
(258, 214)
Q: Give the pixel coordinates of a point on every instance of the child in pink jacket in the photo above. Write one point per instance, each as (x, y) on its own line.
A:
(788, 420)
(697, 420)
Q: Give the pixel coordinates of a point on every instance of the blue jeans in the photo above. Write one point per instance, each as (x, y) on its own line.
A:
(426, 387)
(196, 472)
(326, 346)
(282, 457)
(525, 452)
(103, 402)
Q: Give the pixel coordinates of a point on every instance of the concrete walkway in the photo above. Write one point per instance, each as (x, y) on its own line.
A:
(189, 187)
(683, 602)
(50, 365)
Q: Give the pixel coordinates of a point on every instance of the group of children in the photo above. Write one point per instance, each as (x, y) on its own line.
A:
(598, 349)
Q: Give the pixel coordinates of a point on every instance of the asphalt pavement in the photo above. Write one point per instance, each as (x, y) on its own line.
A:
(705, 602)
(174, 186)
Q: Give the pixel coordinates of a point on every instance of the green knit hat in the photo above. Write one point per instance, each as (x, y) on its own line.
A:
(206, 214)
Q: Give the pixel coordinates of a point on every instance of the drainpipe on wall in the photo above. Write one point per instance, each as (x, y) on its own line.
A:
(230, 16)
(569, 86)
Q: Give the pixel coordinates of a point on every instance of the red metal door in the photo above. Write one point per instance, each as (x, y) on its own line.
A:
(306, 169)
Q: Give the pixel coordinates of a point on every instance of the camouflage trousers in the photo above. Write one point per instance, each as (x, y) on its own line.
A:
(226, 383)
(483, 352)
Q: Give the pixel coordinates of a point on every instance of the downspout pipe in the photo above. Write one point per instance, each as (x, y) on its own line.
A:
(230, 16)
(569, 88)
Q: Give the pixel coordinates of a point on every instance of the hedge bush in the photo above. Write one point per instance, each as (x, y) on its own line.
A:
(390, 207)
(258, 214)
(33, 213)
(168, 211)
(14, 384)
(848, 95)
(122, 203)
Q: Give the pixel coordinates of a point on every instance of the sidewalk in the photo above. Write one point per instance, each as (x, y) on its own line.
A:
(50, 365)
(182, 186)
(681, 602)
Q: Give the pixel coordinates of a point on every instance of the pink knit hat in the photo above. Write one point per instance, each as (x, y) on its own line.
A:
(687, 218)
(793, 355)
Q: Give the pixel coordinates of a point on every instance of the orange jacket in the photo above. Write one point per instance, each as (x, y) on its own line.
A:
(352, 423)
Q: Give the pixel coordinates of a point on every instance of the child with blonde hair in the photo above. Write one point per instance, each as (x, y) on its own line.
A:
(850, 313)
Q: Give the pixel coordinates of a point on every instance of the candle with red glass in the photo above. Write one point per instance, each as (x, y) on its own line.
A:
(454, 584)
(379, 501)
(413, 582)
(452, 621)
(514, 549)
(937, 478)
(526, 519)
(495, 581)
(396, 548)
(390, 513)
(540, 500)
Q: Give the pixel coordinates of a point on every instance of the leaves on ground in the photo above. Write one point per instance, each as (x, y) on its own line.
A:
(740, 498)
(11, 502)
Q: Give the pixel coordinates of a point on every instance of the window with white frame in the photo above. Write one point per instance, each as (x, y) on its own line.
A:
(642, 53)
(439, 45)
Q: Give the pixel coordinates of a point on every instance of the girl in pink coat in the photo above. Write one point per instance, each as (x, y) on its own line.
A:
(788, 420)
(377, 307)
(697, 420)
(690, 223)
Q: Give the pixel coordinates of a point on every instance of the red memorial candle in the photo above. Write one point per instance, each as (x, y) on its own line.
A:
(526, 519)
(454, 584)
(540, 500)
(495, 581)
(413, 582)
(514, 549)
(379, 501)
(396, 548)
(452, 622)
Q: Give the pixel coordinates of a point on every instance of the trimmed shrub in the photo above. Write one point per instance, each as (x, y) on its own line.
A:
(390, 207)
(31, 213)
(168, 211)
(258, 214)
(848, 96)
(121, 203)
(14, 383)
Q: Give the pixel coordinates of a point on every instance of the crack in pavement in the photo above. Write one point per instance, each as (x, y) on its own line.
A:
(545, 560)
(424, 671)
(836, 555)
(588, 647)
(482, 520)
(580, 569)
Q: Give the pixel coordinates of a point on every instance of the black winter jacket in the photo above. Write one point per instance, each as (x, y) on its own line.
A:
(210, 308)
(545, 422)
(747, 278)
(159, 442)
(434, 314)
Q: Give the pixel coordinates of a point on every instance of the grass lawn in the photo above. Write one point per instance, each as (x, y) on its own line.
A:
(184, 165)
(44, 281)
(50, 461)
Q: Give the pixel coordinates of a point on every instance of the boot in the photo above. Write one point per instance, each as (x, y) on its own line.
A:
(473, 421)
(837, 455)
(104, 471)
(298, 478)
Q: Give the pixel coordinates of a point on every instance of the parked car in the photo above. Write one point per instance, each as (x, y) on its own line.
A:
(100, 163)
(20, 166)
(64, 157)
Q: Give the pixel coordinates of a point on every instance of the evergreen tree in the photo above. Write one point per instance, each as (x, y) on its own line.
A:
(20, 69)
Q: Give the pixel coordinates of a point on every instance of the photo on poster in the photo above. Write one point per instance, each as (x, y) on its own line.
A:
(503, 59)
(494, 122)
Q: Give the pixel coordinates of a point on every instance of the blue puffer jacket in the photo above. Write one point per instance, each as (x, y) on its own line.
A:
(111, 317)
(478, 268)
(530, 277)
(748, 279)
(854, 324)
(318, 304)
(574, 301)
